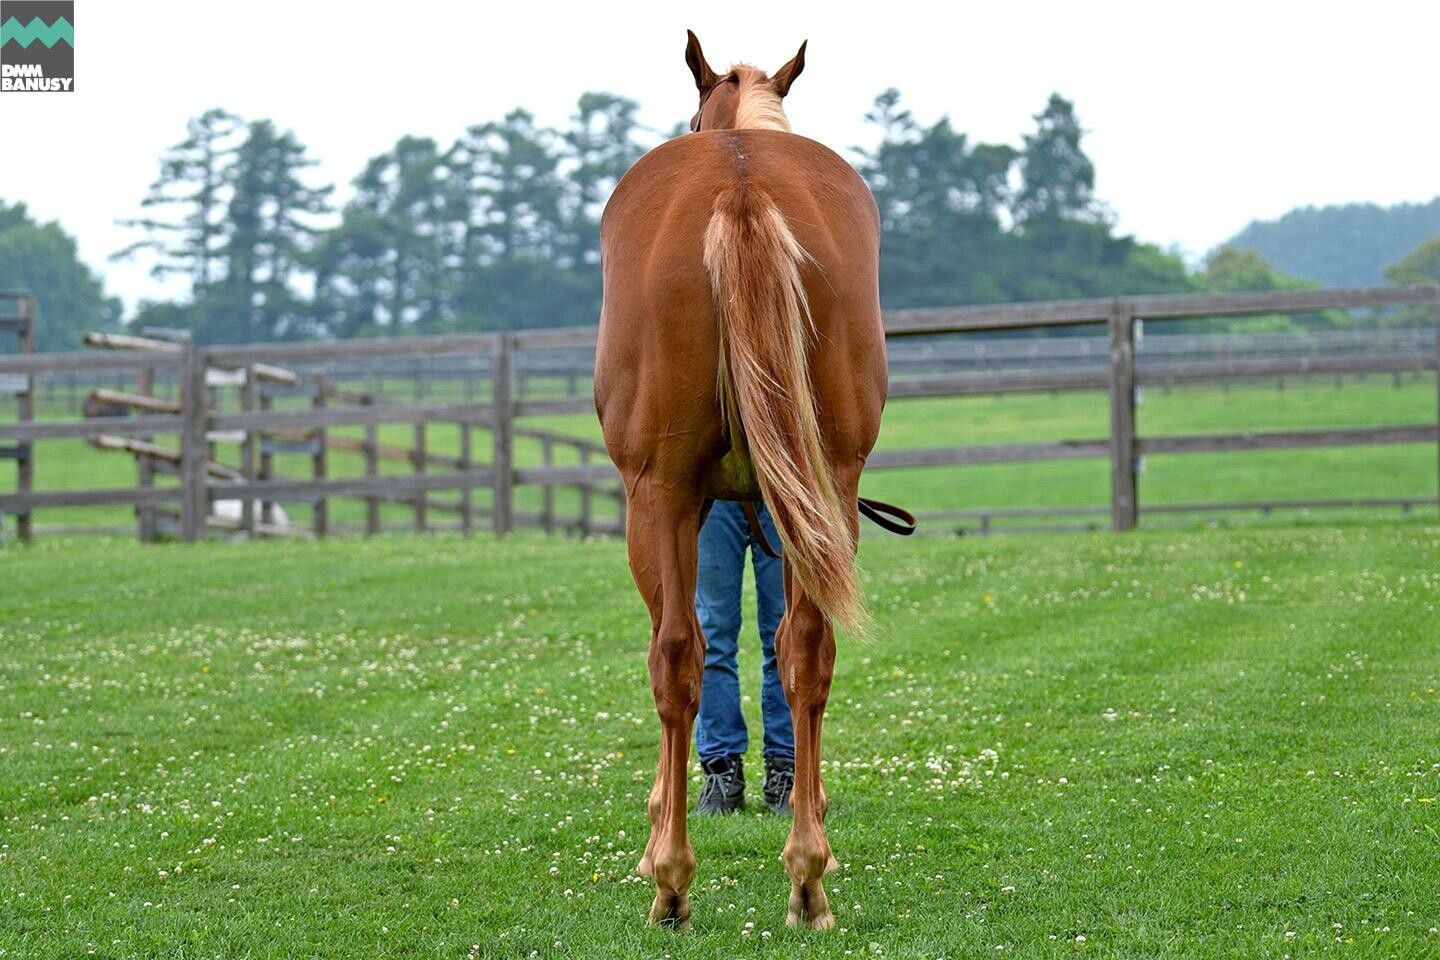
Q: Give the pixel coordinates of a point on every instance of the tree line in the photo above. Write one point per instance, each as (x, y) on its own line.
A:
(1348, 245)
(500, 229)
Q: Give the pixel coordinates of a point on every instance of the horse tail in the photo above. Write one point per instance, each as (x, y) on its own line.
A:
(768, 401)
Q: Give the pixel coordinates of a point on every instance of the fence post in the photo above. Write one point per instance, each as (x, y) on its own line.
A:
(319, 465)
(1123, 505)
(248, 519)
(585, 523)
(267, 459)
(144, 463)
(194, 450)
(418, 457)
(502, 431)
(547, 504)
(372, 470)
(467, 463)
(25, 465)
(1435, 292)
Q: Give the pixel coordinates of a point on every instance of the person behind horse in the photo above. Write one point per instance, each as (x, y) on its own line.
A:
(721, 737)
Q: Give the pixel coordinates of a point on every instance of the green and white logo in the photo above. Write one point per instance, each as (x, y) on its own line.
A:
(37, 46)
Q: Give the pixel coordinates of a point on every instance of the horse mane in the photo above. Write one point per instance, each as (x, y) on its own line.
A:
(759, 107)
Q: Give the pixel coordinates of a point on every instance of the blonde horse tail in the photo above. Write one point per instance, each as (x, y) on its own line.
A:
(767, 398)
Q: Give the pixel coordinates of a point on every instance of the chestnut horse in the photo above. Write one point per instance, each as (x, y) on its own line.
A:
(741, 357)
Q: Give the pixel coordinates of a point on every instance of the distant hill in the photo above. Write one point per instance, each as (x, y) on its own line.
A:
(1344, 246)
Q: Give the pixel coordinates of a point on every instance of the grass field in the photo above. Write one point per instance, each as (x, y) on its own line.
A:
(1202, 745)
(1349, 472)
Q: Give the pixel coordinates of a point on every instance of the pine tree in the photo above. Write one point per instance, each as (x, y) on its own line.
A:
(392, 263)
(270, 216)
(194, 183)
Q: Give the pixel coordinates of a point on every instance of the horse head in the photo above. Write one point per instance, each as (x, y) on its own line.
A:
(745, 96)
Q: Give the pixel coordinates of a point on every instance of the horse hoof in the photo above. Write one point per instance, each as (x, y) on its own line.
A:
(823, 921)
(671, 910)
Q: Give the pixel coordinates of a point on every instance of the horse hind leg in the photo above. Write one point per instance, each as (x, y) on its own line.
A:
(805, 654)
(805, 651)
(661, 529)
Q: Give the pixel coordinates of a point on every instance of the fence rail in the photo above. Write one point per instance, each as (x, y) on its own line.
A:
(264, 432)
(918, 365)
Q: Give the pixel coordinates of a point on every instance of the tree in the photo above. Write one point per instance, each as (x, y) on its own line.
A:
(194, 176)
(267, 245)
(239, 228)
(940, 203)
(509, 271)
(601, 147)
(1342, 246)
(1057, 178)
(1230, 269)
(956, 230)
(511, 167)
(42, 258)
(392, 264)
(1419, 266)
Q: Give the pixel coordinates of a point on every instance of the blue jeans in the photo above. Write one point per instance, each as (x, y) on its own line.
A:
(720, 727)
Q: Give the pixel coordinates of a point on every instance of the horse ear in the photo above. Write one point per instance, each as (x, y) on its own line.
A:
(704, 77)
(786, 75)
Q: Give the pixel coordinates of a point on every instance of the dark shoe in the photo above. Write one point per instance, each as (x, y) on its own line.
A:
(779, 782)
(724, 789)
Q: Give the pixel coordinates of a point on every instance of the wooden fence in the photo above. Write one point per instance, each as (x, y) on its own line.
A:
(198, 423)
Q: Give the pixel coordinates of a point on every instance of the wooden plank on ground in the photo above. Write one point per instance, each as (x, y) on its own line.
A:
(124, 341)
(148, 449)
(135, 400)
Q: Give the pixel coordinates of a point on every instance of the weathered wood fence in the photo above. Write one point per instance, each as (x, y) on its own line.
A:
(198, 424)
(1122, 378)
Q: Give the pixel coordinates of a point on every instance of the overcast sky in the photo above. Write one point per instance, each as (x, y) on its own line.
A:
(1200, 116)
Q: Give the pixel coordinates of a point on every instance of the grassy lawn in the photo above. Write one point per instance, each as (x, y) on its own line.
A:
(1204, 744)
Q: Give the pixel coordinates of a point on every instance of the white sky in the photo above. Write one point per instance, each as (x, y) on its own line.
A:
(1201, 116)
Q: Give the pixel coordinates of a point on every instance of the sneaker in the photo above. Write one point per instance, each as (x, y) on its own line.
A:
(779, 782)
(724, 789)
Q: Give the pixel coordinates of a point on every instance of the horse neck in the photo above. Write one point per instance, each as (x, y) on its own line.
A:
(760, 108)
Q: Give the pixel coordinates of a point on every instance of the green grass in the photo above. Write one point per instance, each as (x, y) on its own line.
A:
(1405, 470)
(1201, 745)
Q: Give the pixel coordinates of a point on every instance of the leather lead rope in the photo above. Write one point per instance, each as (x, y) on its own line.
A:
(881, 513)
(757, 533)
(887, 516)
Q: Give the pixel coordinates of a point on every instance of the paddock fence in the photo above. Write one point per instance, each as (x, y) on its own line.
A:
(309, 402)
